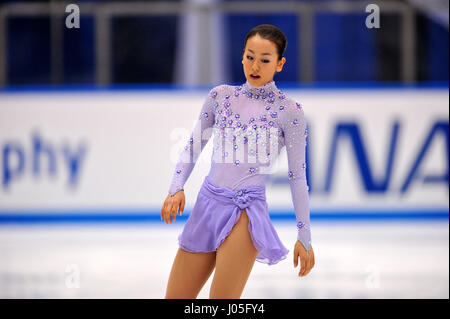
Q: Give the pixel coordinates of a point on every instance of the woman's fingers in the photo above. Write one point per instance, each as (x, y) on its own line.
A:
(170, 209)
(182, 206)
(308, 264)
(302, 265)
(174, 211)
(167, 211)
(163, 210)
(165, 207)
(313, 260)
(295, 258)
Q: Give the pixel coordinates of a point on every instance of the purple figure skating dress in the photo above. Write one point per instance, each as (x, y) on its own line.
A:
(251, 125)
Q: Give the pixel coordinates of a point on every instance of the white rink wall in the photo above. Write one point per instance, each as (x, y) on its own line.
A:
(113, 151)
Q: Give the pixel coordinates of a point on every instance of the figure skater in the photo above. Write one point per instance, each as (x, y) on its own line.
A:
(229, 226)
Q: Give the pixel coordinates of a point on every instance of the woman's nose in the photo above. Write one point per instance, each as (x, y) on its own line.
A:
(255, 66)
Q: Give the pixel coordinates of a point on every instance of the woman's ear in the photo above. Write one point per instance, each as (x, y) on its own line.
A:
(280, 64)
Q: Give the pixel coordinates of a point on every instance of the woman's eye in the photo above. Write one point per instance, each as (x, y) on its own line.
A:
(264, 61)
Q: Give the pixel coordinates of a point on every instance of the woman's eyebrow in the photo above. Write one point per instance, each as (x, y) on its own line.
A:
(261, 53)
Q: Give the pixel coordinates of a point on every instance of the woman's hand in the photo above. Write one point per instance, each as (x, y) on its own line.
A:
(171, 205)
(306, 258)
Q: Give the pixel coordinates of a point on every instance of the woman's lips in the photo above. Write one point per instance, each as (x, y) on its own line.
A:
(255, 76)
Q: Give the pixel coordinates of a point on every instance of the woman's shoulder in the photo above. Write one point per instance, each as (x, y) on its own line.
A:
(288, 100)
(225, 86)
(221, 90)
(291, 108)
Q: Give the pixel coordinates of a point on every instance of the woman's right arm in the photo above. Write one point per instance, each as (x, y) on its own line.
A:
(197, 141)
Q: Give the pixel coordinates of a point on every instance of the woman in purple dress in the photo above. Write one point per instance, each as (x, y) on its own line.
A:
(229, 226)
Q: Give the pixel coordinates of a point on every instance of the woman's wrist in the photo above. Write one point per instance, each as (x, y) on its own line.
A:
(175, 192)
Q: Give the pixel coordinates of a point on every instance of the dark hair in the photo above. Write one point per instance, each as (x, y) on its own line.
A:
(271, 33)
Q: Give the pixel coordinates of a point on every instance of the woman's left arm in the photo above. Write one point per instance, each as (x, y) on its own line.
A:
(295, 133)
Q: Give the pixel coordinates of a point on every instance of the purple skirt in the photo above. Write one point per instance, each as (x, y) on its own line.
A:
(217, 209)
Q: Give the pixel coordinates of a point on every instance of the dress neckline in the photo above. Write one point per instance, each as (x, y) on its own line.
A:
(267, 90)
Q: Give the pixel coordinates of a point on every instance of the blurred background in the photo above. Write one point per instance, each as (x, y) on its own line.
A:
(97, 99)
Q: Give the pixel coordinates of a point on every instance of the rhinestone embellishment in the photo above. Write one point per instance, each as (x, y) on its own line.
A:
(256, 93)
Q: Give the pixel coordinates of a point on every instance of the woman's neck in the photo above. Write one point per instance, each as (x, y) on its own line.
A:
(267, 90)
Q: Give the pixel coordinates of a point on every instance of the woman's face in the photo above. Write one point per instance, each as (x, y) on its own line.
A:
(260, 61)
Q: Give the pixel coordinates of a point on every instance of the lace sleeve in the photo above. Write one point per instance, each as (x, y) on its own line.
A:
(197, 141)
(295, 133)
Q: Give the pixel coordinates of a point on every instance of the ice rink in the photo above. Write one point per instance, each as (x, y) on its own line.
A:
(354, 259)
(102, 102)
